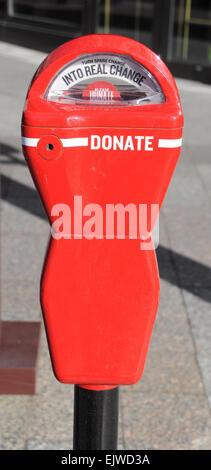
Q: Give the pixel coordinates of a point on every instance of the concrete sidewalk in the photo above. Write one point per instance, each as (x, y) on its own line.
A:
(169, 407)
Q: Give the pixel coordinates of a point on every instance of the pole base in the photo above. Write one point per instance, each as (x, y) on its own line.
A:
(95, 419)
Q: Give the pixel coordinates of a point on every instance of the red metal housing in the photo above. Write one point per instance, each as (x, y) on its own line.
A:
(100, 296)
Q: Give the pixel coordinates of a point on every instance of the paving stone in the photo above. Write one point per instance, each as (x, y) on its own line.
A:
(166, 265)
(170, 371)
(24, 216)
(51, 419)
(165, 421)
(13, 188)
(189, 233)
(204, 361)
(14, 412)
(19, 184)
(204, 172)
(172, 331)
(12, 444)
(20, 300)
(34, 444)
(185, 176)
(12, 123)
(196, 117)
(199, 315)
(11, 156)
(22, 256)
(10, 146)
(10, 98)
(171, 301)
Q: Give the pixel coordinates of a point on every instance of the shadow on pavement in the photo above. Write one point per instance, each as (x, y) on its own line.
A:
(9, 152)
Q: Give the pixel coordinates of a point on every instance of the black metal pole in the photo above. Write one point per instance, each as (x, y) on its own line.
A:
(95, 419)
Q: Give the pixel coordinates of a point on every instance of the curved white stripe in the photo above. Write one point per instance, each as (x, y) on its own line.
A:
(83, 142)
(30, 142)
(75, 142)
(169, 143)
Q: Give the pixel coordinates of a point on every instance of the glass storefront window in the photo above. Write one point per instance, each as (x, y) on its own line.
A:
(178, 30)
(132, 18)
(65, 11)
(189, 35)
(192, 31)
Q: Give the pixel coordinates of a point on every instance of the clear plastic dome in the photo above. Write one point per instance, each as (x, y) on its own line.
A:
(104, 80)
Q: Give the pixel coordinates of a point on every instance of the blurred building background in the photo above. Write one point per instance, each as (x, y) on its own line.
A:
(178, 30)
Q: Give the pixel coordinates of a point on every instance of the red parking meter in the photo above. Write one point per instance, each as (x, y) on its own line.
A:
(101, 133)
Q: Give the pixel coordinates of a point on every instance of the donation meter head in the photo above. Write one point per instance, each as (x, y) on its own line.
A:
(101, 133)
